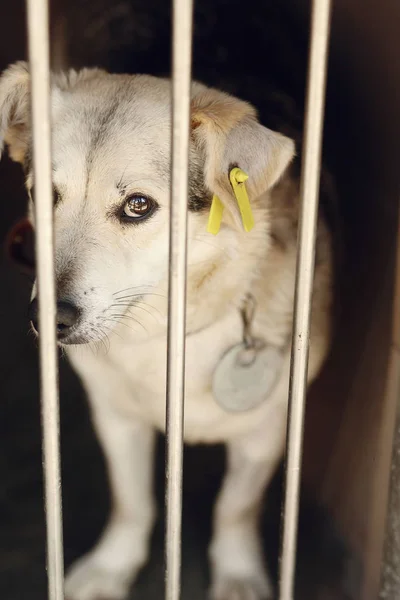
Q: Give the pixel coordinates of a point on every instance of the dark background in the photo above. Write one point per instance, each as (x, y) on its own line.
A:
(253, 53)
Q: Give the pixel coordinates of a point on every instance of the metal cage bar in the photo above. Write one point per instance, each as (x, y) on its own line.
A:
(182, 53)
(309, 194)
(38, 40)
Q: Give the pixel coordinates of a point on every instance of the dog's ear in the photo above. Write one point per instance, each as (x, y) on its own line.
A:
(14, 110)
(15, 103)
(229, 135)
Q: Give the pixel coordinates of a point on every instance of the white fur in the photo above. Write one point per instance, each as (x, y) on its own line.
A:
(109, 129)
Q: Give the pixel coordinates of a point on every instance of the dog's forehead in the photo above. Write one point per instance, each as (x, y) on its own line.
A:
(109, 125)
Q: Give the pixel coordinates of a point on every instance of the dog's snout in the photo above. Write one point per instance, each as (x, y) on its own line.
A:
(66, 317)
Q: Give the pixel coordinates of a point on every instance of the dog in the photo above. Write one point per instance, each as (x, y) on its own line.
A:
(111, 182)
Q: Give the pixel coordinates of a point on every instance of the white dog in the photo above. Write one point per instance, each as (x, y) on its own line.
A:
(111, 175)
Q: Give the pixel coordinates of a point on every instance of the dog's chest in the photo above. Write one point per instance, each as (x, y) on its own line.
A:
(145, 374)
(140, 373)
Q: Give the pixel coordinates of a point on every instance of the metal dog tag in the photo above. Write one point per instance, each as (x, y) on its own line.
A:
(246, 376)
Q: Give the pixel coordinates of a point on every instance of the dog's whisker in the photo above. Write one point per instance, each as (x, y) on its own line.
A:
(101, 345)
(145, 310)
(119, 322)
(112, 331)
(93, 346)
(150, 306)
(139, 287)
(106, 342)
(137, 305)
(140, 296)
(125, 316)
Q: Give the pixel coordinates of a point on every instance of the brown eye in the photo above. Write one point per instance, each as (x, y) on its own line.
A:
(137, 207)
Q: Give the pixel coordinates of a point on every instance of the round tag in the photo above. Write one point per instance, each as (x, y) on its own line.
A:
(245, 377)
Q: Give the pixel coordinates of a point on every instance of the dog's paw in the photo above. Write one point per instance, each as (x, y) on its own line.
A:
(241, 589)
(88, 580)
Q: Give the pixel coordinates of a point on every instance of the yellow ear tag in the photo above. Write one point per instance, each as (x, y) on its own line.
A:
(237, 178)
(215, 218)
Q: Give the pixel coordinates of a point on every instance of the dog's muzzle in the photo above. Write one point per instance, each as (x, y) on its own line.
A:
(67, 317)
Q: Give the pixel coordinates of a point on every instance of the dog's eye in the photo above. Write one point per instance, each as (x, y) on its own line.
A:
(138, 207)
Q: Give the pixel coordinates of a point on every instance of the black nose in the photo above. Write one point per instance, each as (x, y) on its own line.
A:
(67, 315)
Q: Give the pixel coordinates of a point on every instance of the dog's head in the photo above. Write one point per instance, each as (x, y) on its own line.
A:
(111, 182)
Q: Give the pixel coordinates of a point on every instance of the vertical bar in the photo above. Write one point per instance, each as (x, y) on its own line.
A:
(182, 58)
(38, 38)
(309, 193)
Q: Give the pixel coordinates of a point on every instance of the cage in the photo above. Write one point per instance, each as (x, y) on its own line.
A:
(351, 409)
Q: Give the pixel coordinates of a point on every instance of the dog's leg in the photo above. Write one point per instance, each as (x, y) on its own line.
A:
(236, 555)
(107, 571)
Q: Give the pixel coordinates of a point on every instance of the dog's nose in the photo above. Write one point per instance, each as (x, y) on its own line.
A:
(66, 316)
